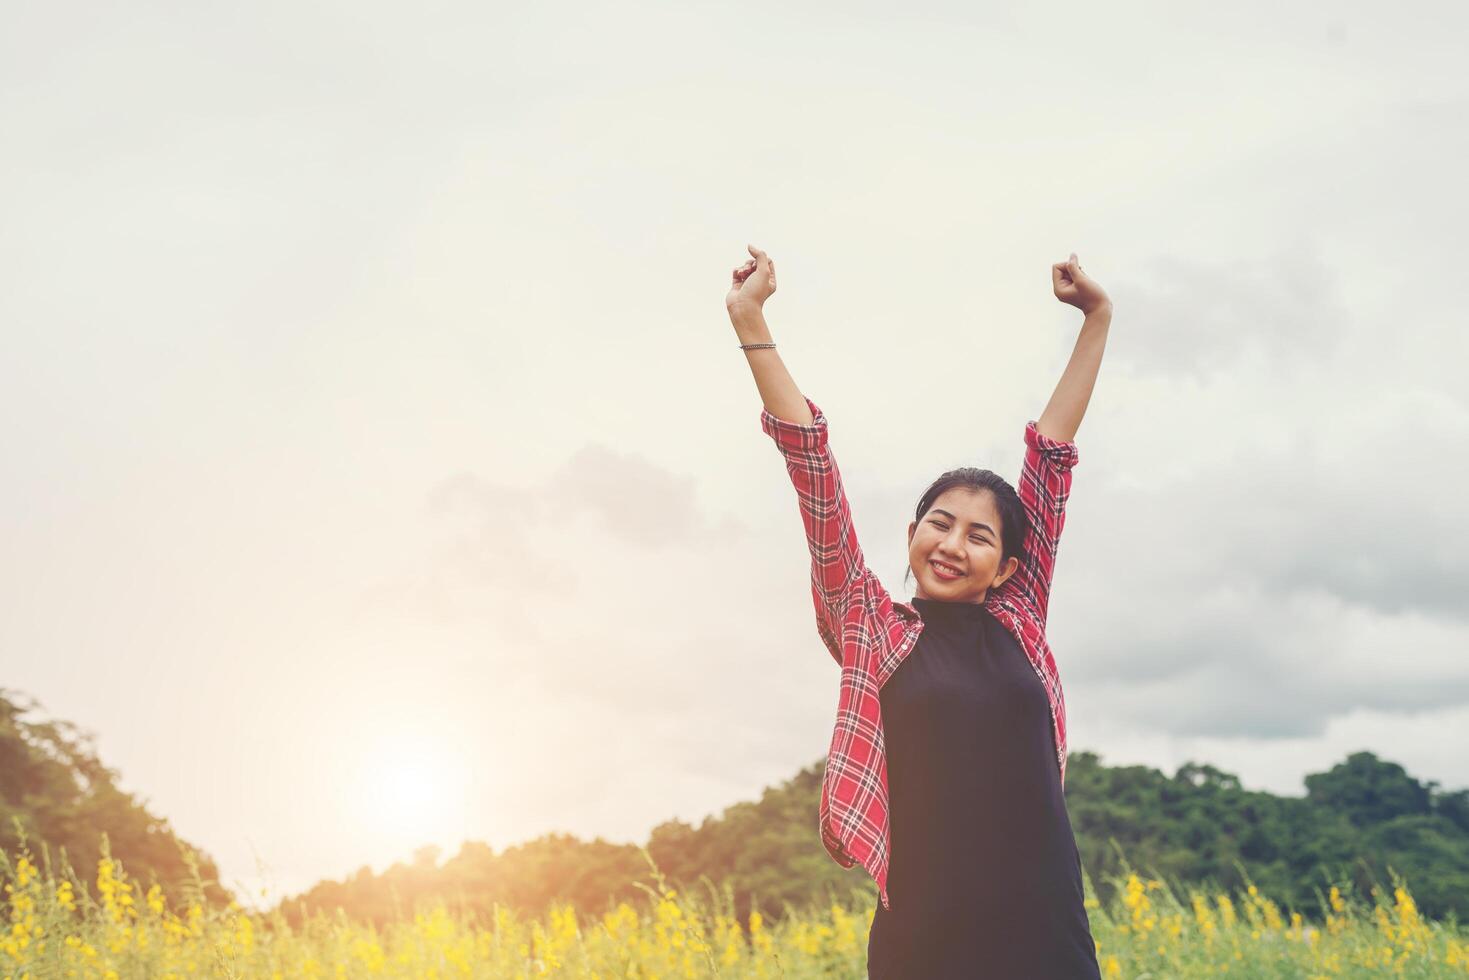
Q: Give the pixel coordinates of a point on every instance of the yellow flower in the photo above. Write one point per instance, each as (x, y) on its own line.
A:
(155, 900)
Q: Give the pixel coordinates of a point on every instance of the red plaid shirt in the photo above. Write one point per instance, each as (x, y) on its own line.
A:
(869, 634)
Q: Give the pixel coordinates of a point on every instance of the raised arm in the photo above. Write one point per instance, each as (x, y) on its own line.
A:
(1045, 483)
(1063, 413)
(800, 432)
(1050, 449)
(754, 282)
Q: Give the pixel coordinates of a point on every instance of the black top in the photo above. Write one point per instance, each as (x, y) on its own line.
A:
(984, 876)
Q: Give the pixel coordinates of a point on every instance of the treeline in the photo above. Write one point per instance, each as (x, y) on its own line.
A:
(57, 795)
(1197, 827)
(763, 852)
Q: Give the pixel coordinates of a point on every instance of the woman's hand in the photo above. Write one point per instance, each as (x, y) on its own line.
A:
(753, 282)
(1076, 288)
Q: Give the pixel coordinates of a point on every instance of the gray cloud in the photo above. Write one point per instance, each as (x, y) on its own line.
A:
(1277, 588)
(1363, 513)
(609, 586)
(1188, 318)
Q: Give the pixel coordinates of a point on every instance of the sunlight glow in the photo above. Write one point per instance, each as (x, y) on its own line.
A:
(412, 788)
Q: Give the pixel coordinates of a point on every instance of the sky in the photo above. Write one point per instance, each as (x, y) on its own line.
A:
(379, 468)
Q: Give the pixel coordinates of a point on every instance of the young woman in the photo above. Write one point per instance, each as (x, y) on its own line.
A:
(949, 751)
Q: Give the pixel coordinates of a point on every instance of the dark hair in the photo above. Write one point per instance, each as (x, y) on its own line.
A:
(1007, 502)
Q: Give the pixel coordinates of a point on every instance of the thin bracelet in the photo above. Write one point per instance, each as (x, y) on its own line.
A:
(753, 346)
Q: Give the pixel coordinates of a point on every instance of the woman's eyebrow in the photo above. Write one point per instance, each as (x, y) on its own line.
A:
(971, 523)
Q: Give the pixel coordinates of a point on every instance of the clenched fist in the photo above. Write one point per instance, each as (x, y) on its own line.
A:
(753, 282)
(1076, 288)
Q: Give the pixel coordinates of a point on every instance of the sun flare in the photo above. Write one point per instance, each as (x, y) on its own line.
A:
(411, 788)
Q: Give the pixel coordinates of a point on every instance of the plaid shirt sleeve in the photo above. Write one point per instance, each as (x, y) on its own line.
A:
(836, 558)
(1045, 483)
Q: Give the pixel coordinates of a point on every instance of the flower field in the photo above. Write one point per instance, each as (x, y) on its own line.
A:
(54, 928)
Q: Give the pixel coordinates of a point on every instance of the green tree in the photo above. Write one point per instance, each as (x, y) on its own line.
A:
(58, 796)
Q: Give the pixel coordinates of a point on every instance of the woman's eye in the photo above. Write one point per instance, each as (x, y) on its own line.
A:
(978, 540)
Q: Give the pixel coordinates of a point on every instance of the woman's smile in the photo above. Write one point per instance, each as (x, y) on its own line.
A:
(946, 572)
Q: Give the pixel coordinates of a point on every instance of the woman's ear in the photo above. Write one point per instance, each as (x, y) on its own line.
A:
(1012, 564)
(911, 528)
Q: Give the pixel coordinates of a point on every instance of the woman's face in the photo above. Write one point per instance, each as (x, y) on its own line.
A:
(961, 530)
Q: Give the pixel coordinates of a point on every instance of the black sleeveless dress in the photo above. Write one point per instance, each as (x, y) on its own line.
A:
(984, 876)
